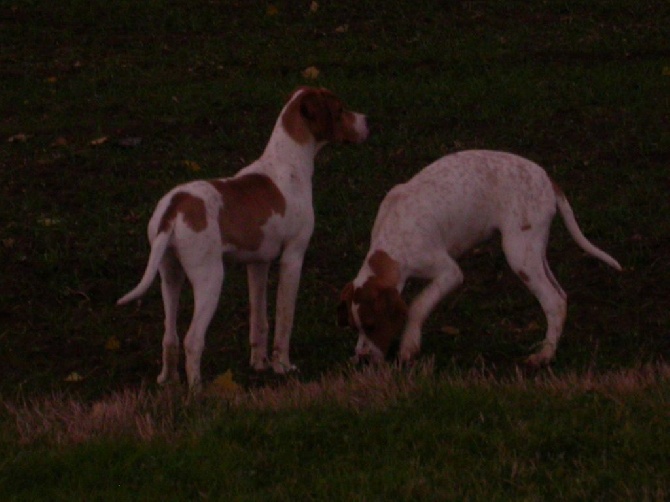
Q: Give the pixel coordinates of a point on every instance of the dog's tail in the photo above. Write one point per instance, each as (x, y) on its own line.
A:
(576, 233)
(158, 247)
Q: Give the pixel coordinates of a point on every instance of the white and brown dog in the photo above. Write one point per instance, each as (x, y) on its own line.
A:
(263, 212)
(424, 225)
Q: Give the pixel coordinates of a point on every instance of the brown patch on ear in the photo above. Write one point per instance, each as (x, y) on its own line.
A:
(293, 119)
(192, 209)
(318, 114)
(248, 202)
(382, 312)
(344, 317)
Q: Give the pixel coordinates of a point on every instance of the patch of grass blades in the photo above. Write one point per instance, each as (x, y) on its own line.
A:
(356, 434)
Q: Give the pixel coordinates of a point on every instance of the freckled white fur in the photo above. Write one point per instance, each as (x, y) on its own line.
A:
(184, 253)
(452, 205)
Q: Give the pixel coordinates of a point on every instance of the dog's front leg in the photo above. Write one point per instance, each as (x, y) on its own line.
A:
(257, 276)
(287, 292)
(448, 278)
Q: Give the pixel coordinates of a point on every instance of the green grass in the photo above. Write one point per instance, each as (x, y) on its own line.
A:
(581, 88)
(364, 436)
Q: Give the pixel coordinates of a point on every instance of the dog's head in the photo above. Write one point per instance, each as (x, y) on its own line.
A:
(375, 309)
(316, 114)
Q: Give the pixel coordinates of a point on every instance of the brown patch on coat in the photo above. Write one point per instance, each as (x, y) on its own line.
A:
(525, 227)
(248, 202)
(192, 209)
(319, 115)
(381, 310)
(523, 276)
(385, 268)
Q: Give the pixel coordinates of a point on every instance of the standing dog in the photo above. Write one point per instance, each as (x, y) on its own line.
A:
(424, 225)
(263, 212)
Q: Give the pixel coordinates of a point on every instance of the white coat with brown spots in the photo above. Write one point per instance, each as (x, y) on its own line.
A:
(262, 213)
(424, 225)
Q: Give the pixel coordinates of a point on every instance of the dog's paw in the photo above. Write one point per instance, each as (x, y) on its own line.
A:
(534, 362)
(283, 368)
(166, 378)
(260, 364)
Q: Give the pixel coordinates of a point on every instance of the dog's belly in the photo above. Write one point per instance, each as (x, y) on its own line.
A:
(265, 253)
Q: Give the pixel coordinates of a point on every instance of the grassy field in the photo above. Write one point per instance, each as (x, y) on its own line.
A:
(107, 105)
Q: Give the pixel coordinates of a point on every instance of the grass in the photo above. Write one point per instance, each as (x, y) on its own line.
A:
(360, 435)
(106, 106)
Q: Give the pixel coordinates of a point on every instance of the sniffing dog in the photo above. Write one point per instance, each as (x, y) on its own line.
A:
(422, 228)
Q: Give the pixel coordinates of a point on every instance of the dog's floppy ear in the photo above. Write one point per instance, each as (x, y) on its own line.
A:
(312, 105)
(344, 307)
(391, 313)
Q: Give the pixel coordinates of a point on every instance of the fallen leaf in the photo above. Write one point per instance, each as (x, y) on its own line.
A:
(666, 71)
(99, 141)
(311, 73)
(18, 138)
(342, 28)
(272, 10)
(74, 377)
(313, 7)
(59, 141)
(192, 166)
(450, 330)
(51, 80)
(112, 344)
(48, 222)
(224, 385)
(8, 243)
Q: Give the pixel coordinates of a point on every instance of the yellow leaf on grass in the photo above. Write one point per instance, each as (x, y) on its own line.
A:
(74, 377)
(59, 141)
(224, 385)
(18, 138)
(48, 222)
(99, 141)
(311, 73)
(272, 10)
(113, 344)
(192, 166)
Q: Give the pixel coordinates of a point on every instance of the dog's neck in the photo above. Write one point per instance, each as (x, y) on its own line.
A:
(283, 149)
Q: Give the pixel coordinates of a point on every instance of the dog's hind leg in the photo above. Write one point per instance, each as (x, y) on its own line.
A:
(172, 279)
(206, 278)
(526, 255)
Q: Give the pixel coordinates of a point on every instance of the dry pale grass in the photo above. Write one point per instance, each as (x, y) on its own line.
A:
(167, 413)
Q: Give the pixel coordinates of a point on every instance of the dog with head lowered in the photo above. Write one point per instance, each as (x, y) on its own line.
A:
(262, 213)
(422, 228)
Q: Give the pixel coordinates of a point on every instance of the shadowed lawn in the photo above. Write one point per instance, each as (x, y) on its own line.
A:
(108, 105)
